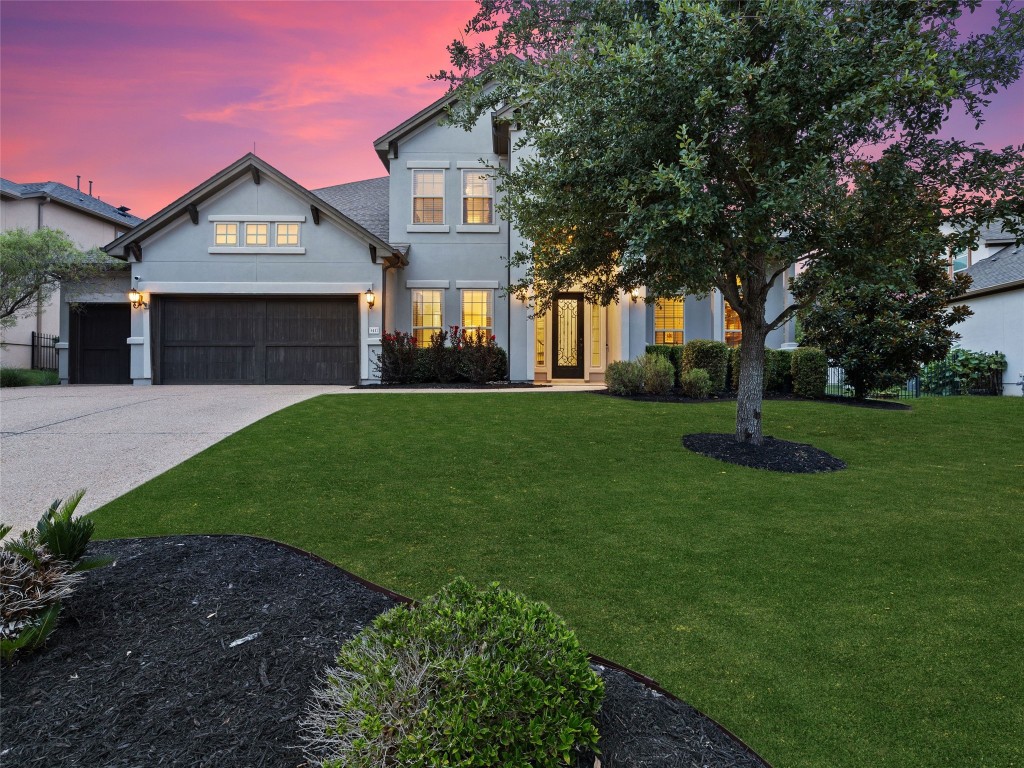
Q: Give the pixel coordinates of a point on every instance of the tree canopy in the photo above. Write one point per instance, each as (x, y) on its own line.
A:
(693, 145)
(33, 264)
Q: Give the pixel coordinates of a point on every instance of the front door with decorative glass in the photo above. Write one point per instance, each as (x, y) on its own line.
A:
(567, 336)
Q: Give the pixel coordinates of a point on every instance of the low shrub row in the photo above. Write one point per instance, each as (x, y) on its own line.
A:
(649, 374)
(452, 356)
(964, 372)
(24, 377)
(38, 570)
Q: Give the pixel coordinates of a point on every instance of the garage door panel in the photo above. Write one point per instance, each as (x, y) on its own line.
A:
(209, 364)
(312, 365)
(259, 340)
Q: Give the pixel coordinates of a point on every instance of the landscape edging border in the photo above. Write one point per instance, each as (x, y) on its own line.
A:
(405, 600)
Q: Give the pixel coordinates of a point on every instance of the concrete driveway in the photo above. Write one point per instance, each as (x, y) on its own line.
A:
(110, 439)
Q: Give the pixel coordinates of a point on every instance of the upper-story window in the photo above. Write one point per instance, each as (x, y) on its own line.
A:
(428, 196)
(477, 198)
(669, 319)
(287, 234)
(225, 234)
(257, 233)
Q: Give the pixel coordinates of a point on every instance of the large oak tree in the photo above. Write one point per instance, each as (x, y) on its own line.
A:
(691, 145)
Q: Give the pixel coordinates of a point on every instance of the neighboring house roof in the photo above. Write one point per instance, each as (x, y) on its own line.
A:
(246, 165)
(73, 198)
(365, 202)
(995, 234)
(1002, 271)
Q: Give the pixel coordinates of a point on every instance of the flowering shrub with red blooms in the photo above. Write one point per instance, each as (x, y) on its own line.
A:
(453, 355)
(398, 358)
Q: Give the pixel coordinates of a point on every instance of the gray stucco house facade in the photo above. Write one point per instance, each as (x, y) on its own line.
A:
(252, 278)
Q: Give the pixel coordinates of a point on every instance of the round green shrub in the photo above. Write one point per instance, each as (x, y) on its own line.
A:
(657, 373)
(696, 383)
(624, 377)
(810, 372)
(466, 678)
(712, 356)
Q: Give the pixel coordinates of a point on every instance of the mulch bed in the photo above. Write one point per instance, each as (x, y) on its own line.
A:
(201, 651)
(675, 396)
(773, 454)
(458, 385)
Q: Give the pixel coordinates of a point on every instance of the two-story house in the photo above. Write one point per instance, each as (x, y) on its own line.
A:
(251, 277)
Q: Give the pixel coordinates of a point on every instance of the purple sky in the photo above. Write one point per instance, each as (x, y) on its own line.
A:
(148, 99)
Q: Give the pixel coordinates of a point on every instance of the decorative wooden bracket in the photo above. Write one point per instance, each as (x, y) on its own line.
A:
(255, 174)
(134, 249)
(193, 212)
(316, 214)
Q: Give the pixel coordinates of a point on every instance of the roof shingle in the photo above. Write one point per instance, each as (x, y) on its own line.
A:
(70, 197)
(365, 202)
(1003, 267)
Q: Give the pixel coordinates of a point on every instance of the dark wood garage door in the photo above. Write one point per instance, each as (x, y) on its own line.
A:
(258, 341)
(99, 351)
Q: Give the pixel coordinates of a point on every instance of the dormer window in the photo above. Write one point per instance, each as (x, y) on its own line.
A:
(225, 234)
(477, 198)
(428, 196)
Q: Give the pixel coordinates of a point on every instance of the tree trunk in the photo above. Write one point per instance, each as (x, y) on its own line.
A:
(751, 389)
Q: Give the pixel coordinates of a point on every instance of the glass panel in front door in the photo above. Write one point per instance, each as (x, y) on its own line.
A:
(567, 331)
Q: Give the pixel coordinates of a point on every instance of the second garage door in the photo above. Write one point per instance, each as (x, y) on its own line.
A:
(258, 341)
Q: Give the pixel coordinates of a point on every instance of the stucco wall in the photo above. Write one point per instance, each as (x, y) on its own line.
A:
(996, 326)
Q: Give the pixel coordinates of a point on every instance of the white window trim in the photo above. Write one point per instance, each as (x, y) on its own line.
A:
(480, 164)
(251, 250)
(464, 227)
(412, 311)
(257, 218)
(681, 331)
(428, 283)
(427, 164)
(413, 226)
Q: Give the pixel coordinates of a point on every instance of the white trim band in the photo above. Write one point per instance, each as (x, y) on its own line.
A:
(473, 164)
(478, 284)
(256, 289)
(255, 217)
(427, 164)
(427, 228)
(428, 283)
(242, 250)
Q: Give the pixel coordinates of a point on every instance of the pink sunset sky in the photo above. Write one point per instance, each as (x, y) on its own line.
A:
(148, 99)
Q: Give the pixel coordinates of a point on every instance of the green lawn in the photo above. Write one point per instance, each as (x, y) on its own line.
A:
(871, 617)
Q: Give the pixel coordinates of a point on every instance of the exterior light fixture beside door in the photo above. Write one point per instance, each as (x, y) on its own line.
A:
(135, 297)
(370, 298)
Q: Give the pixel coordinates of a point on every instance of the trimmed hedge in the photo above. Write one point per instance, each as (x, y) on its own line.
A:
(657, 373)
(712, 356)
(809, 367)
(673, 353)
(624, 377)
(696, 384)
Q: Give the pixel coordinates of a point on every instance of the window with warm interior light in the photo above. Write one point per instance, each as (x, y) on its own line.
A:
(225, 234)
(257, 233)
(477, 311)
(669, 319)
(426, 315)
(540, 336)
(287, 234)
(477, 198)
(595, 336)
(428, 196)
(733, 331)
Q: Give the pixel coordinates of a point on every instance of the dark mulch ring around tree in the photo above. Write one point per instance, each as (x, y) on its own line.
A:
(773, 455)
(458, 385)
(201, 651)
(675, 396)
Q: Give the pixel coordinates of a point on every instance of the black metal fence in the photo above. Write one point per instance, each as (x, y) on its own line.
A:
(932, 385)
(44, 351)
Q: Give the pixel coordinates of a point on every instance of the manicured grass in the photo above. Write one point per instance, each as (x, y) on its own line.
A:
(871, 617)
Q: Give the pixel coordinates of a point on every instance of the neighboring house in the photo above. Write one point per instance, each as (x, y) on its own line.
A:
(996, 297)
(250, 277)
(87, 220)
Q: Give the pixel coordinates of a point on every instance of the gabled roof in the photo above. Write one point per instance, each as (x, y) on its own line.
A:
(72, 198)
(366, 202)
(994, 234)
(247, 165)
(1003, 270)
(421, 118)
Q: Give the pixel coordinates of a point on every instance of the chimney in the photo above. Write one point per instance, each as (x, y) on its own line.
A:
(90, 187)
(78, 182)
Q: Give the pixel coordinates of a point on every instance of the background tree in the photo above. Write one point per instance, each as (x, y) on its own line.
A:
(32, 266)
(691, 145)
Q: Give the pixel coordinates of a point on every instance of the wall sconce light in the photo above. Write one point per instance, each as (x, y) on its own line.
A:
(635, 293)
(135, 296)
(370, 298)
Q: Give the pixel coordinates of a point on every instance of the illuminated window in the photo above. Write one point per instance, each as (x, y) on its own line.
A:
(669, 319)
(595, 336)
(225, 234)
(287, 234)
(540, 335)
(476, 312)
(426, 315)
(257, 233)
(733, 332)
(477, 198)
(428, 197)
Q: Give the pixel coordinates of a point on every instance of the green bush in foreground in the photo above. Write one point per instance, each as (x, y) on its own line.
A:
(466, 679)
(810, 372)
(23, 377)
(712, 356)
(624, 377)
(672, 352)
(657, 373)
(696, 384)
